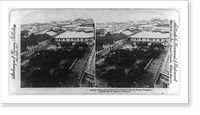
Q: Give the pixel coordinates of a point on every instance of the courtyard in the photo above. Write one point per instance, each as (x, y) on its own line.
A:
(129, 66)
(56, 66)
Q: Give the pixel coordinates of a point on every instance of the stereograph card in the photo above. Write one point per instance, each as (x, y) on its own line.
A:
(94, 51)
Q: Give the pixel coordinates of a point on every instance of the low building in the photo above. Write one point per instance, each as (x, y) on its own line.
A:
(150, 37)
(32, 29)
(107, 43)
(109, 28)
(51, 33)
(161, 29)
(145, 27)
(132, 28)
(85, 29)
(74, 37)
(69, 27)
(127, 32)
(32, 48)
(25, 63)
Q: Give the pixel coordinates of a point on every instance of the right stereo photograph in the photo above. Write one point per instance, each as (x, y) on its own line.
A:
(134, 47)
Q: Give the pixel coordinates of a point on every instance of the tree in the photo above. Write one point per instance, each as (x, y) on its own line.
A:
(51, 62)
(136, 72)
(40, 77)
(112, 59)
(67, 64)
(115, 76)
(126, 62)
(142, 45)
(81, 46)
(157, 46)
(84, 45)
(60, 75)
(66, 45)
(108, 34)
(160, 46)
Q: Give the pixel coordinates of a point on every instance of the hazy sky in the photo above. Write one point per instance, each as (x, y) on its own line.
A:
(98, 15)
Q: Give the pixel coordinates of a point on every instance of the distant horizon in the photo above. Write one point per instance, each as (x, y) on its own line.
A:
(98, 15)
(90, 18)
(53, 20)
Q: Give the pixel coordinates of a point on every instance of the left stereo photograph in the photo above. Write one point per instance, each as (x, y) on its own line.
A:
(53, 48)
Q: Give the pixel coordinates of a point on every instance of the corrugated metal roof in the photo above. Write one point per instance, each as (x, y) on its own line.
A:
(145, 34)
(74, 34)
(51, 33)
(127, 32)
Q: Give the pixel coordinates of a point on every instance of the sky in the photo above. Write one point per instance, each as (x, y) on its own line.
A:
(98, 15)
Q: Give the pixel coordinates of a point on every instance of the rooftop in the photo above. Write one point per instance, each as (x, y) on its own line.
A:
(51, 33)
(85, 27)
(108, 39)
(145, 34)
(127, 32)
(74, 34)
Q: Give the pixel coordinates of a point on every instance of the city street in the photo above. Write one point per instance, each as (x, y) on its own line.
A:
(77, 69)
(153, 67)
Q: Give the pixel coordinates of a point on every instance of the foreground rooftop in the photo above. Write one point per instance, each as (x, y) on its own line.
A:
(74, 34)
(145, 34)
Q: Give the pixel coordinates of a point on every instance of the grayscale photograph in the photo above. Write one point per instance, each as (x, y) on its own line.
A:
(132, 48)
(57, 49)
(95, 51)
(129, 52)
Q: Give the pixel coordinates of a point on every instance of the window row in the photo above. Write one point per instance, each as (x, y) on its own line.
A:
(149, 39)
(72, 39)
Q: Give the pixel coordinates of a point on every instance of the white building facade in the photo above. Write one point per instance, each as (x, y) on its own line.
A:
(74, 37)
(150, 37)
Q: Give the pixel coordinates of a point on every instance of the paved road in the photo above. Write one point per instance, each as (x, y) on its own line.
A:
(78, 67)
(153, 67)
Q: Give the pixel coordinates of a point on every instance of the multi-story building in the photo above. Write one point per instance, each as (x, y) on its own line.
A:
(74, 37)
(150, 37)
